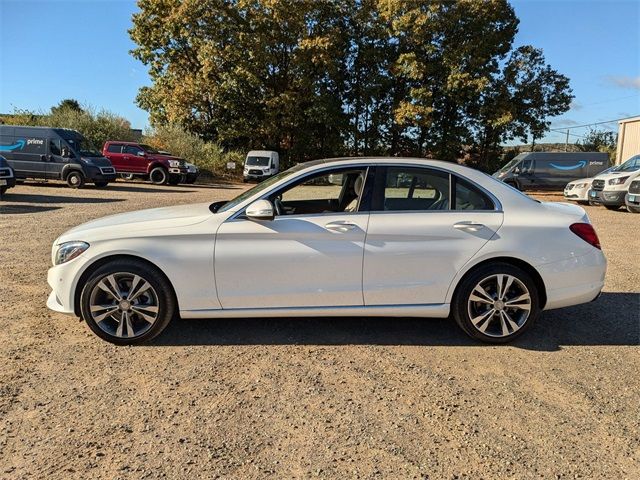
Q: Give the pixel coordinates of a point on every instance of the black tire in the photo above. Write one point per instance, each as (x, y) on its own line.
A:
(75, 179)
(165, 301)
(594, 204)
(159, 176)
(612, 207)
(127, 176)
(101, 184)
(633, 209)
(583, 202)
(461, 305)
(3, 190)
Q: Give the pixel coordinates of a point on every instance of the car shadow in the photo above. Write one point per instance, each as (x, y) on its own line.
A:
(36, 198)
(613, 319)
(21, 209)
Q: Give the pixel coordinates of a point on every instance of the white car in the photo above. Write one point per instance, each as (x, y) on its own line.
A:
(344, 237)
(610, 189)
(578, 190)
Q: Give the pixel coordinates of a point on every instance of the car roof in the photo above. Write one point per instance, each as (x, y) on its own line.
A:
(122, 142)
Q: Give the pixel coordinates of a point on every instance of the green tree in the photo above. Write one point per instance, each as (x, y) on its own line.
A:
(599, 141)
(67, 103)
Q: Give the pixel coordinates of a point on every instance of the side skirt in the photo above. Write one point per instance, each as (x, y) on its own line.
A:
(429, 311)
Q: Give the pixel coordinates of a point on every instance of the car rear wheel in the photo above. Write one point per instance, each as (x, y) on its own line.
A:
(633, 209)
(75, 179)
(127, 302)
(496, 303)
(127, 176)
(158, 176)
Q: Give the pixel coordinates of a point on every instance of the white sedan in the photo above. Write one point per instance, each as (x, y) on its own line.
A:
(578, 190)
(344, 237)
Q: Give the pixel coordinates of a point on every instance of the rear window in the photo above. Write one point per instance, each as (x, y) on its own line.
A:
(114, 148)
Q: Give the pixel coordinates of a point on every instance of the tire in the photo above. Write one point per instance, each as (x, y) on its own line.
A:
(75, 179)
(157, 302)
(633, 209)
(496, 327)
(101, 184)
(3, 190)
(158, 176)
(612, 207)
(594, 204)
(583, 202)
(127, 176)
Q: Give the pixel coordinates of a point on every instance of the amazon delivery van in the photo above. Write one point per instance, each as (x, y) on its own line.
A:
(551, 170)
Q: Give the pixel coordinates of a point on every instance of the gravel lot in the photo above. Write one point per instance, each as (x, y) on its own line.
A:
(300, 398)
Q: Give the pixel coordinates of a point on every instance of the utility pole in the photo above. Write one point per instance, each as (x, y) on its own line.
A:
(566, 141)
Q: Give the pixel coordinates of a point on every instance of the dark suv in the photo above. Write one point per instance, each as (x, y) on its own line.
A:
(136, 159)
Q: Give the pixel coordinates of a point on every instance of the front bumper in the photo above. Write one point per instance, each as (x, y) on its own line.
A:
(190, 177)
(632, 200)
(575, 280)
(8, 182)
(101, 174)
(577, 194)
(609, 198)
(62, 279)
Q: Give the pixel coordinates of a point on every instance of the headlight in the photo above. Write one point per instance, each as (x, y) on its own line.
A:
(174, 163)
(581, 185)
(618, 181)
(88, 161)
(68, 251)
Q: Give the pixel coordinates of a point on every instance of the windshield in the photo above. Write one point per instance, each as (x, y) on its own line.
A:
(630, 165)
(83, 147)
(257, 161)
(257, 189)
(507, 166)
(149, 149)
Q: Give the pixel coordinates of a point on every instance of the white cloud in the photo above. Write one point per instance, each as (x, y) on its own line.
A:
(623, 81)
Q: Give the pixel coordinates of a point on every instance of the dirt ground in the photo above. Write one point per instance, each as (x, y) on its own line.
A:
(300, 398)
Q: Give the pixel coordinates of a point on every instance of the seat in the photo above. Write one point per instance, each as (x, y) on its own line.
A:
(358, 184)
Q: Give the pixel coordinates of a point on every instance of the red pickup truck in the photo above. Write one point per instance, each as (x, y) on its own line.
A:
(136, 159)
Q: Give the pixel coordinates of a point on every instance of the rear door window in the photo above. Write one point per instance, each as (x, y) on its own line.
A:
(470, 197)
(415, 188)
(114, 148)
(131, 150)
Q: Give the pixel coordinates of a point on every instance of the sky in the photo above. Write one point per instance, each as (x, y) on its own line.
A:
(55, 49)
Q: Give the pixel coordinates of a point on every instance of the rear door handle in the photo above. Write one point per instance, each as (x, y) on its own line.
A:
(471, 226)
(340, 226)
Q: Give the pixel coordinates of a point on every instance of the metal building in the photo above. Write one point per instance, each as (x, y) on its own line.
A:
(628, 139)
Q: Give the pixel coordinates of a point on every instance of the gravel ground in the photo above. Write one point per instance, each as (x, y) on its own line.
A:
(300, 398)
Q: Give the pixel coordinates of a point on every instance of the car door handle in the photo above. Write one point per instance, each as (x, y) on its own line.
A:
(340, 226)
(471, 226)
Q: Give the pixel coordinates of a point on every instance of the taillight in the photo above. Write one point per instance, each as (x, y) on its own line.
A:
(586, 232)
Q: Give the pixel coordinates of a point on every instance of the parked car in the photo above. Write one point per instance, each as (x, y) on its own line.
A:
(461, 243)
(551, 170)
(7, 177)
(611, 188)
(54, 154)
(260, 164)
(137, 159)
(632, 198)
(578, 190)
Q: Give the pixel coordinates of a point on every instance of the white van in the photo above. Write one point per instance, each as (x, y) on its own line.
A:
(609, 189)
(260, 164)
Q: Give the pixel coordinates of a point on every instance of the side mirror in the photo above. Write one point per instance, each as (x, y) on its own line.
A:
(516, 170)
(260, 210)
(141, 153)
(65, 152)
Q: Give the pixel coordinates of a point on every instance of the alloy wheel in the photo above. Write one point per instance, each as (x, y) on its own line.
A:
(124, 305)
(499, 305)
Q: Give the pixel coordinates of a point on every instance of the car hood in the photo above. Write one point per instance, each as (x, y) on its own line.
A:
(133, 223)
(581, 180)
(98, 161)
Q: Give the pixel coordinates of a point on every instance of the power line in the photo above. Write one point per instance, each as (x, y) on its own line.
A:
(562, 129)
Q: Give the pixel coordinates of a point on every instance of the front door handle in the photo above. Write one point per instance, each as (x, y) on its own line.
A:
(471, 226)
(340, 226)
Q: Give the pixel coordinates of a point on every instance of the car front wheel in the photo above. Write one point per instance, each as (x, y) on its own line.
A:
(496, 303)
(127, 302)
(75, 179)
(158, 176)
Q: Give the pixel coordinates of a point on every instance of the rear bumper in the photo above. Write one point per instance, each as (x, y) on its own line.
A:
(609, 198)
(575, 280)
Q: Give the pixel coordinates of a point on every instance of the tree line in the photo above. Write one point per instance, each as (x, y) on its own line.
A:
(314, 78)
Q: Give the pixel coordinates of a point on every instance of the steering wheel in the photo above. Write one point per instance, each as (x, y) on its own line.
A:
(277, 204)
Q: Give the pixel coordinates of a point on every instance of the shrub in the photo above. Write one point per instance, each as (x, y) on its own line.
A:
(210, 157)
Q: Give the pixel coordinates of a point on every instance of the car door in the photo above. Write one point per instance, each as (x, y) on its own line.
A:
(56, 161)
(416, 243)
(309, 255)
(132, 157)
(114, 154)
